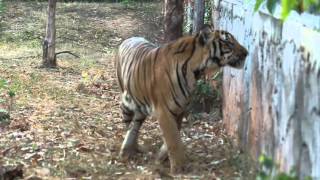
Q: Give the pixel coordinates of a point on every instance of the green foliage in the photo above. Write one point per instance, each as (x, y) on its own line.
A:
(271, 4)
(257, 5)
(203, 88)
(187, 26)
(269, 171)
(208, 12)
(126, 2)
(1, 6)
(206, 96)
(312, 6)
(3, 84)
(4, 115)
(6, 92)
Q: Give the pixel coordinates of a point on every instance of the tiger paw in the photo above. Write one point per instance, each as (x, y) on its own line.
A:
(179, 164)
(129, 153)
(162, 154)
(180, 169)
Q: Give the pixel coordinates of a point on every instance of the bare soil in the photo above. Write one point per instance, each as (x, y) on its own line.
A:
(66, 123)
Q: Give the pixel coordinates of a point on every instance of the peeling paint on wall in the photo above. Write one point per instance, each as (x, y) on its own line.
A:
(273, 105)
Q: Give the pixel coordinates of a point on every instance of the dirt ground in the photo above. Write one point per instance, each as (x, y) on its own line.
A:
(65, 123)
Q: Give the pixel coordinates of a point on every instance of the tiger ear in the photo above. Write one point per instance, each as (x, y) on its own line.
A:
(205, 34)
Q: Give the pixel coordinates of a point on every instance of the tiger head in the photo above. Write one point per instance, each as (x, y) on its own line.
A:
(221, 49)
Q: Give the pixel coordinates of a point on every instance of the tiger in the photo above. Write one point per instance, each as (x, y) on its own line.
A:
(158, 81)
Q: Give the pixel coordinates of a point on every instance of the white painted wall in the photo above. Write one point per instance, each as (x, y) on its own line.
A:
(273, 105)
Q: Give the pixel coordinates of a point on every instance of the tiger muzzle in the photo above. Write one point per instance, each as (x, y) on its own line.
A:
(239, 60)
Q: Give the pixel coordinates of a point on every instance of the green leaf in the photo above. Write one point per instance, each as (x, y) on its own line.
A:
(284, 176)
(266, 162)
(11, 93)
(4, 115)
(257, 5)
(262, 176)
(271, 4)
(287, 6)
(3, 83)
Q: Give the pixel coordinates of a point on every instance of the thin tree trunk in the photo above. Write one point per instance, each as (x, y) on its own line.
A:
(198, 17)
(215, 12)
(189, 16)
(173, 19)
(49, 59)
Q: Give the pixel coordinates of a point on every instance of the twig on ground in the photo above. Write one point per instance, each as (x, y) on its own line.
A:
(67, 52)
(82, 45)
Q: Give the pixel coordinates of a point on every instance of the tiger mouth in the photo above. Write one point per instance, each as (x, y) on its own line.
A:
(237, 64)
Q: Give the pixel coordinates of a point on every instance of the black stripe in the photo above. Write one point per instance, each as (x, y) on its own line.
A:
(138, 85)
(173, 114)
(128, 87)
(219, 43)
(135, 82)
(224, 50)
(182, 47)
(139, 103)
(214, 49)
(128, 67)
(145, 74)
(167, 106)
(155, 58)
(140, 65)
(185, 64)
(126, 110)
(136, 70)
(119, 77)
(175, 100)
(179, 81)
(197, 74)
(141, 120)
(143, 110)
(123, 63)
(173, 92)
(146, 102)
(217, 61)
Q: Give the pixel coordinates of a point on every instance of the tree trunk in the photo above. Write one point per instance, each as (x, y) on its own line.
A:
(173, 19)
(49, 59)
(215, 13)
(198, 17)
(189, 16)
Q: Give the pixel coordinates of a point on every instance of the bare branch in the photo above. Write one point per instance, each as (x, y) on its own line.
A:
(67, 52)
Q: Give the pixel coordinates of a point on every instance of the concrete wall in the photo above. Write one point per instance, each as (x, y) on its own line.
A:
(273, 105)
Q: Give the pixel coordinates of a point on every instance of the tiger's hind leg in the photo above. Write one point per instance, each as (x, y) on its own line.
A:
(134, 121)
(127, 115)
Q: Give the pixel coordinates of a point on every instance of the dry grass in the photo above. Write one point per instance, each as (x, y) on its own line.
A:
(66, 123)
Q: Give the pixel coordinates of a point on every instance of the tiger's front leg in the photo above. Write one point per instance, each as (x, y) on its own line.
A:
(173, 141)
(163, 152)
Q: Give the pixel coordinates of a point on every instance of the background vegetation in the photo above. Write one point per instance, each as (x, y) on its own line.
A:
(312, 6)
